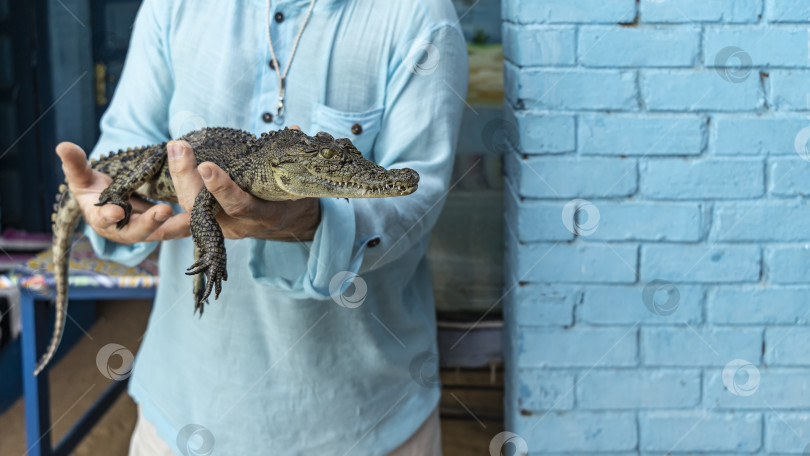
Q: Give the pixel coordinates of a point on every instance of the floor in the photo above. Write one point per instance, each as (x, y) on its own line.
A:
(471, 403)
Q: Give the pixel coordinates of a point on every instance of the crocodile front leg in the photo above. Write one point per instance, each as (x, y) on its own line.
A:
(209, 249)
(128, 179)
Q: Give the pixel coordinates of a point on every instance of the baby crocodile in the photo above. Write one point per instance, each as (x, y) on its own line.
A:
(279, 165)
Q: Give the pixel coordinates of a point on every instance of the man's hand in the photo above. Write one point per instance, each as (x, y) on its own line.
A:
(149, 222)
(243, 215)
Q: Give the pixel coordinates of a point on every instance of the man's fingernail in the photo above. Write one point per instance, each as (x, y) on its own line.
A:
(206, 172)
(175, 150)
(161, 217)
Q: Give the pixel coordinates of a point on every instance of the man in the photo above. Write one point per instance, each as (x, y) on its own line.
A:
(275, 365)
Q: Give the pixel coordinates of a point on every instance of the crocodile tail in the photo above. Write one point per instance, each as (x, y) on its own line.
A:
(66, 217)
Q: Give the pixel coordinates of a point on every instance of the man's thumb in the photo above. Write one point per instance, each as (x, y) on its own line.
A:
(74, 164)
(232, 199)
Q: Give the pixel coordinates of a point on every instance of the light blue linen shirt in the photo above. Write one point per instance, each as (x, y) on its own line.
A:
(276, 366)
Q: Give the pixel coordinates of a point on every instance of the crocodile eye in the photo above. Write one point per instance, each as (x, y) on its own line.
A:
(327, 153)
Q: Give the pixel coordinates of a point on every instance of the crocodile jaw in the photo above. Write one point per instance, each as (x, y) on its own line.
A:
(395, 182)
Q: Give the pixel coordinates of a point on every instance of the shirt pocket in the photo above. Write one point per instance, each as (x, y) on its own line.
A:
(360, 127)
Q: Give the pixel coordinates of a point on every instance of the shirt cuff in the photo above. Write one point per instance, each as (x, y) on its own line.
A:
(332, 253)
(128, 255)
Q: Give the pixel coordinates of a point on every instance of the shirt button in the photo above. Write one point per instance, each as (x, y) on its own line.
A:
(373, 242)
(357, 128)
(279, 17)
(267, 117)
(272, 64)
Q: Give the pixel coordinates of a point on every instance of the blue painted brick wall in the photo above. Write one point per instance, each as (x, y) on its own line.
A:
(658, 241)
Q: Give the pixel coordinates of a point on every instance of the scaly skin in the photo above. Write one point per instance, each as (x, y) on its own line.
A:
(280, 165)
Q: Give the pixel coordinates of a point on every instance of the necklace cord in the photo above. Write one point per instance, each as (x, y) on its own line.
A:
(282, 78)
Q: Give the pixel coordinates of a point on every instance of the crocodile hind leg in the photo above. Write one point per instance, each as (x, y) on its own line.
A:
(127, 181)
(209, 249)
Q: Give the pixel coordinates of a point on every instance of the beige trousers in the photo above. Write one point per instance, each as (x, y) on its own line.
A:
(426, 441)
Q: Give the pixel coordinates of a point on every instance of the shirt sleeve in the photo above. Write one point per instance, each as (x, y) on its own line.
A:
(138, 112)
(424, 103)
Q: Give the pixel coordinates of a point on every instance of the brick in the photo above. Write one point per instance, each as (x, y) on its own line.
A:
(615, 47)
(623, 305)
(536, 220)
(542, 132)
(638, 389)
(539, 46)
(565, 11)
(700, 263)
(757, 305)
(560, 177)
(667, 346)
(787, 11)
(632, 134)
(560, 89)
(629, 221)
(577, 347)
(787, 432)
(758, 47)
(702, 178)
(776, 221)
(688, 11)
(788, 346)
(579, 262)
(700, 431)
(694, 90)
(789, 177)
(577, 432)
(788, 264)
(544, 390)
(778, 389)
(789, 90)
(736, 135)
(545, 305)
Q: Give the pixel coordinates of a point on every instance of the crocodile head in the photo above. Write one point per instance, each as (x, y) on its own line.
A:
(323, 167)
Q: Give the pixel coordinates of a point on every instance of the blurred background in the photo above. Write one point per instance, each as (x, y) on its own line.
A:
(621, 266)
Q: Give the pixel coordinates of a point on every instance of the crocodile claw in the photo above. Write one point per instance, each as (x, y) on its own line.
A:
(107, 197)
(213, 265)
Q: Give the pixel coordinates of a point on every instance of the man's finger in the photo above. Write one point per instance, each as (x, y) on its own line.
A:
(139, 204)
(140, 227)
(183, 168)
(175, 227)
(234, 200)
(104, 217)
(75, 165)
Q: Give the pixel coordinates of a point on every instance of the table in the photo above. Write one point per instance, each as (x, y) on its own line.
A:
(90, 279)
